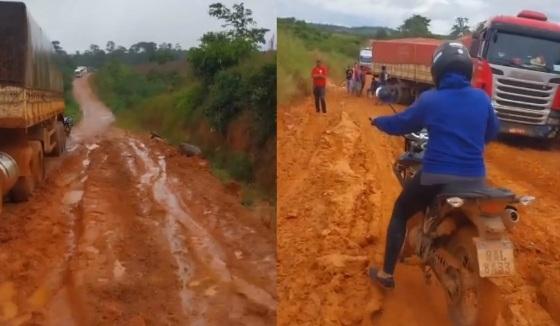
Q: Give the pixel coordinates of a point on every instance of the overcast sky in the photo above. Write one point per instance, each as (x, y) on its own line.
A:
(79, 23)
(392, 13)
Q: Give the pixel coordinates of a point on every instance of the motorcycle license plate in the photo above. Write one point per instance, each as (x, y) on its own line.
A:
(495, 257)
(517, 131)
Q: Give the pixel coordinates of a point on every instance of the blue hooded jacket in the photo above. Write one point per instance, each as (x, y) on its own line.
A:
(460, 121)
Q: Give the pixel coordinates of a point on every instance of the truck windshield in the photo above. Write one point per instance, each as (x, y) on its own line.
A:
(524, 52)
(364, 59)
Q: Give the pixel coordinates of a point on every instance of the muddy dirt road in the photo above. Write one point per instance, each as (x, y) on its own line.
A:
(126, 231)
(335, 194)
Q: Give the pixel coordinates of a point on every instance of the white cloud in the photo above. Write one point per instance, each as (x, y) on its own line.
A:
(79, 23)
(392, 13)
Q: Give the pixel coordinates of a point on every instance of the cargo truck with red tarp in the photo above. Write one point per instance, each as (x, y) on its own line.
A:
(516, 61)
(31, 103)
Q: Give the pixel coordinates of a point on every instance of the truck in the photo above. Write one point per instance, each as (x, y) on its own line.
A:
(80, 71)
(31, 103)
(365, 60)
(516, 62)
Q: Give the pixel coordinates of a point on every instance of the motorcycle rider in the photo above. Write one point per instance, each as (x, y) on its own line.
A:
(460, 120)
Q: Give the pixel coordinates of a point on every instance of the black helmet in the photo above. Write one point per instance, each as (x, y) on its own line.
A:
(451, 57)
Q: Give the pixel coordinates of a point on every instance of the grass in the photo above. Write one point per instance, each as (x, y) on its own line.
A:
(299, 46)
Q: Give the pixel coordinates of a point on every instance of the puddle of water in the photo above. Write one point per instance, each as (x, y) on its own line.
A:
(73, 197)
(185, 268)
(179, 220)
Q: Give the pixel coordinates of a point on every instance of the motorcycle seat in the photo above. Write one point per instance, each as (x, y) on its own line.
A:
(474, 190)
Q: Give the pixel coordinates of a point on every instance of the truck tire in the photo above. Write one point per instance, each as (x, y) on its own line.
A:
(24, 187)
(38, 163)
(60, 139)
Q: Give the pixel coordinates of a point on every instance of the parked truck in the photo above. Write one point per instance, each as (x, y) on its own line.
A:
(365, 60)
(516, 61)
(31, 103)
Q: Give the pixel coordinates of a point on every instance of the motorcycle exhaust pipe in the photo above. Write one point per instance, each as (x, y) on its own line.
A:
(9, 173)
(510, 217)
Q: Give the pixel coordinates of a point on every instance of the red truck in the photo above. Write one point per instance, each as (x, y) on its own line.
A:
(516, 61)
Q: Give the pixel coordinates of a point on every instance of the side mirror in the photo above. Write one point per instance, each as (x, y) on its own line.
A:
(386, 94)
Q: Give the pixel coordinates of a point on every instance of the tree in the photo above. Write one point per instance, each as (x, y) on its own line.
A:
(241, 20)
(460, 28)
(110, 47)
(58, 48)
(218, 51)
(416, 26)
(381, 34)
(479, 27)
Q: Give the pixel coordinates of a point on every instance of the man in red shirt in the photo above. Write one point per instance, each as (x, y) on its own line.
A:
(319, 75)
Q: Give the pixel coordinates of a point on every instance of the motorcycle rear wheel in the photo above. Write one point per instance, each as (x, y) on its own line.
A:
(475, 300)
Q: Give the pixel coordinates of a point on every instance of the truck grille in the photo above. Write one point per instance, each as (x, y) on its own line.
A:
(522, 101)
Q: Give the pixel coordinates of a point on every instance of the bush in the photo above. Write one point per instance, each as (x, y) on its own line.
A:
(217, 52)
(237, 165)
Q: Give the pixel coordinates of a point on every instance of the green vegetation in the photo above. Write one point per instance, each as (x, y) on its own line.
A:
(72, 109)
(366, 31)
(300, 45)
(226, 89)
(460, 28)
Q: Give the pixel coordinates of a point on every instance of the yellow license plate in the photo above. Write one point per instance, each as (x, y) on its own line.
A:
(495, 257)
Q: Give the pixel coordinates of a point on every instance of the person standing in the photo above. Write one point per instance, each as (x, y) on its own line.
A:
(319, 75)
(348, 79)
(372, 87)
(356, 79)
(362, 80)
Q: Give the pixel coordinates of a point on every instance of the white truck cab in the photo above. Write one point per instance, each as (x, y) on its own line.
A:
(80, 71)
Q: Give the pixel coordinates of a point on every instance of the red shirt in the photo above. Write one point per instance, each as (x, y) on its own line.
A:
(322, 72)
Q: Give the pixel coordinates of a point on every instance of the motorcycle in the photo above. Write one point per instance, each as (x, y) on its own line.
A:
(462, 238)
(68, 123)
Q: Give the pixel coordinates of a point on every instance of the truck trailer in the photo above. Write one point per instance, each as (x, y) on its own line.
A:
(516, 62)
(31, 103)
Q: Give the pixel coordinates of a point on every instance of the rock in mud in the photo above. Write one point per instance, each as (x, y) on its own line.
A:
(189, 150)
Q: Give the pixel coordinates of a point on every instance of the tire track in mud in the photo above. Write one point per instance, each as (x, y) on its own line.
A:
(186, 238)
(125, 232)
(531, 297)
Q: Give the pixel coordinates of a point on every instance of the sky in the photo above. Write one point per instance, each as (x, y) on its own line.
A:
(392, 13)
(79, 23)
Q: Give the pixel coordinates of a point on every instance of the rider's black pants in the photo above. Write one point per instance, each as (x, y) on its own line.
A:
(414, 198)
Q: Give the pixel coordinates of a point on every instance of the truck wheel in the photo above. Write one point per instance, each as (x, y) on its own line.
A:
(23, 189)
(38, 163)
(25, 185)
(60, 139)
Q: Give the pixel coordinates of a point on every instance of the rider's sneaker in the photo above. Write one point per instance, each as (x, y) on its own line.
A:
(385, 282)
